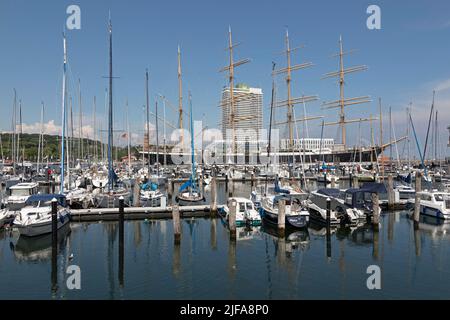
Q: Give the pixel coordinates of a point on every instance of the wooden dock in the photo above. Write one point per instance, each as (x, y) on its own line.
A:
(139, 213)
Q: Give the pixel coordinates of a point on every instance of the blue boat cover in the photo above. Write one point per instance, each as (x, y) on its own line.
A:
(46, 198)
(371, 187)
(331, 192)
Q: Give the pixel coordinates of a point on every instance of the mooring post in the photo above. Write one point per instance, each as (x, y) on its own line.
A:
(53, 187)
(351, 180)
(328, 212)
(176, 223)
(355, 181)
(213, 195)
(391, 200)
(417, 199)
(55, 223)
(232, 219)
(281, 217)
(54, 272)
(325, 179)
(376, 211)
(136, 194)
(121, 239)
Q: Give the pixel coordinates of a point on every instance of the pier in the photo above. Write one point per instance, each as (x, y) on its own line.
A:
(140, 213)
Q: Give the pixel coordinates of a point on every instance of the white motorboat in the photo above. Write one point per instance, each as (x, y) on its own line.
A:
(35, 218)
(340, 212)
(151, 198)
(79, 198)
(296, 215)
(435, 204)
(19, 193)
(246, 213)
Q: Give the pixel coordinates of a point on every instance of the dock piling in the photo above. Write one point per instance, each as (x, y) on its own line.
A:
(376, 211)
(136, 194)
(213, 195)
(232, 219)
(418, 184)
(281, 217)
(121, 239)
(350, 179)
(176, 223)
(328, 212)
(391, 200)
(54, 271)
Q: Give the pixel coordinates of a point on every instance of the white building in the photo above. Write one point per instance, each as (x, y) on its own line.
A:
(248, 117)
(308, 144)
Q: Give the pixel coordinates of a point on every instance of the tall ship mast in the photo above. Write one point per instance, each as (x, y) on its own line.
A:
(343, 102)
(290, 102)
(229, 103)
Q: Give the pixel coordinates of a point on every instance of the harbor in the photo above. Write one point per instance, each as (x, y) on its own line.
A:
(325, 178)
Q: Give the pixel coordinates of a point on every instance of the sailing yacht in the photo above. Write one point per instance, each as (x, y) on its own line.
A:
(109, 198)
(189, 193)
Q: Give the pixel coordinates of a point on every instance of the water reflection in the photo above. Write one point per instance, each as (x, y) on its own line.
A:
(258, 264)
(39, 249)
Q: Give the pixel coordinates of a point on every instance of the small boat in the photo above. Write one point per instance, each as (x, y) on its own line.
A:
(35, 218)
(111, 199)
(435, 204)
(403, 197)
(246, 213)
(328, 177)
(6, 217)
(79, 198)
(296, 215)
(151, 198)
(19, 193)
(189, 193)
(341, 212)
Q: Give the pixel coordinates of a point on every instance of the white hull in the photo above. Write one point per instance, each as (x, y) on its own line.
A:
(37, 229)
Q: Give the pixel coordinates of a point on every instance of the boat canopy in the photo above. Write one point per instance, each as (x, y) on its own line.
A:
(46, 198)
(330, 192)
(373, 187)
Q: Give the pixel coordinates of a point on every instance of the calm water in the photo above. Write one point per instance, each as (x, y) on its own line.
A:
(259, 265)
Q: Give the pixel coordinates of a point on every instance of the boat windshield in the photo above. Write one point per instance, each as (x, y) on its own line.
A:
(249, 206)
(20, 192)
(439, 197)
(241, 207)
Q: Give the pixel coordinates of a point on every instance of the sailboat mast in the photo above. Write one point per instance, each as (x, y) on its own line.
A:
(180, 98)
(157, 137)
(95, 130)
(63, 133)
(13, 149)
(381, 140)
(40, 138)
(148, 120)
(128, 138)
(192, 140)
(341, 93)
(110, 111)
(289, 98)
(271, 112)
(164, 132)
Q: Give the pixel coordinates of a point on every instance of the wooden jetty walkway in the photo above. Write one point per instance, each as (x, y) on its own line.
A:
(140, 213)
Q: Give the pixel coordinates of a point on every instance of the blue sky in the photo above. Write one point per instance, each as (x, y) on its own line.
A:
(407, 58)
